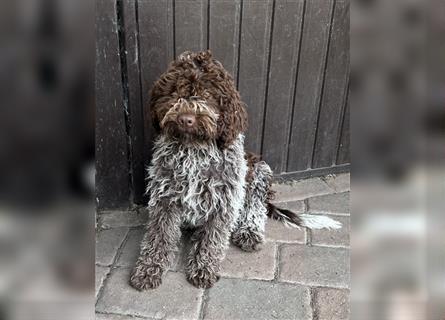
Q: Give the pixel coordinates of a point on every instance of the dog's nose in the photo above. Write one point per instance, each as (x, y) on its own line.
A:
(187, 120)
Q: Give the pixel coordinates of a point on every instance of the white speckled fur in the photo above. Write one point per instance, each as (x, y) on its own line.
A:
(191, 185)
(199, 177)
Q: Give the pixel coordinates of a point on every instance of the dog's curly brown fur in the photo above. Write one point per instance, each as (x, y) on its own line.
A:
(200, 75)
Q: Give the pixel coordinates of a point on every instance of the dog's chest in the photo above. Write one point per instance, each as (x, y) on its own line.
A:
(199, 179)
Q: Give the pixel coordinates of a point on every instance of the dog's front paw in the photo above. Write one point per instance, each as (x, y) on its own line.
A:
(247, 240)
(202, 277)
(146, 277)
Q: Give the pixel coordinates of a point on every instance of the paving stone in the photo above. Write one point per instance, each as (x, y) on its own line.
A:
(107, 244)
(331, 304)
(314, 266)
(108, 316)
(301, 189)
(174, 299)
(331, 204)
(180, 259)
(334, 237)
(130, 250)
(340, 182)
(250, 265)
(251, 299)
(278, 231)
(113, 219)
(101, 273)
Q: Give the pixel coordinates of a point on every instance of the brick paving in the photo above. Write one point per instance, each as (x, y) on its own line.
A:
(298, 274)
(337, 203)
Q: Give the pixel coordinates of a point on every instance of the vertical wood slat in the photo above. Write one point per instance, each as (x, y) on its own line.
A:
(155, 18)
(309, 83)
(190, 25)
(344, 152)
(253, 65)
(224, 26)
(112, 170)
(134, 100)
(283, 67)
(335, 89)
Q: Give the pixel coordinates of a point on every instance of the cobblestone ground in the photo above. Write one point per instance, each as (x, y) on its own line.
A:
(299, 274)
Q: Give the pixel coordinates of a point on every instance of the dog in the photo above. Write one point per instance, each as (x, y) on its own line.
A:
(201, 178)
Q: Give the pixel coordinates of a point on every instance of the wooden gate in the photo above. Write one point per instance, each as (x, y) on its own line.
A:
(290, 60)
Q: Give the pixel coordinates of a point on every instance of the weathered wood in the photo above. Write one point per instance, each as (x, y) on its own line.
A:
(224, 29)
(112, 171)
(309, 83)
(334, 92)
(316, 172)
(156, 51)
(190, 25)
(344, 152)
(136, 119)
(283, 66)
(253, 65)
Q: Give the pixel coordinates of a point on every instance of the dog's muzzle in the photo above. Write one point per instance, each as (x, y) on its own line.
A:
(187, 120)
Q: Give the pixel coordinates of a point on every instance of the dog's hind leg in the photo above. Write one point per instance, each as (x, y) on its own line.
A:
(249, 231)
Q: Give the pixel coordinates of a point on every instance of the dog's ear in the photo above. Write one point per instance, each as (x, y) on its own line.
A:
(232, 119)
(151, 114)
(159, 98)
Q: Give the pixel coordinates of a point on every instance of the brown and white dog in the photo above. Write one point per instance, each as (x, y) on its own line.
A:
(200, 176)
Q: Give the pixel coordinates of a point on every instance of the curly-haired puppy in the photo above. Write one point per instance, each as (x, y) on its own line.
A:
(200, 177)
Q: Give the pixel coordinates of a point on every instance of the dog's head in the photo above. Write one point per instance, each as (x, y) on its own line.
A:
(196, 99)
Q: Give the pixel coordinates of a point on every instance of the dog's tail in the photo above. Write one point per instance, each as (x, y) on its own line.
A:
(294, 219)
(302, 220)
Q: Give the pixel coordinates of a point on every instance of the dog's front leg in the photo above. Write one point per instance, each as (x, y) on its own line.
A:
(209, 243)
(157, 247)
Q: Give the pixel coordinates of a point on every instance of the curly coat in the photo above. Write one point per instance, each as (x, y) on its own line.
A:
(200, 176)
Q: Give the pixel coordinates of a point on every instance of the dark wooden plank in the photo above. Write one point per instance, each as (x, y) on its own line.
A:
(344, 152)
(253, 65)
(309, 83)
(310, 173)
(224, 32)
(112, 171)
(190, 25)
(335, 86)
(136, 123)
(155, 19)
(283, 65)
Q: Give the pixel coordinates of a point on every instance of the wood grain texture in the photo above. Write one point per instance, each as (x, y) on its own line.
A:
(190, 25)
(224, 32)
(253, 65)
(309, 83)
(136, 119)
(283, 68)
(112, 170)
(344, 150)
(335, 87)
